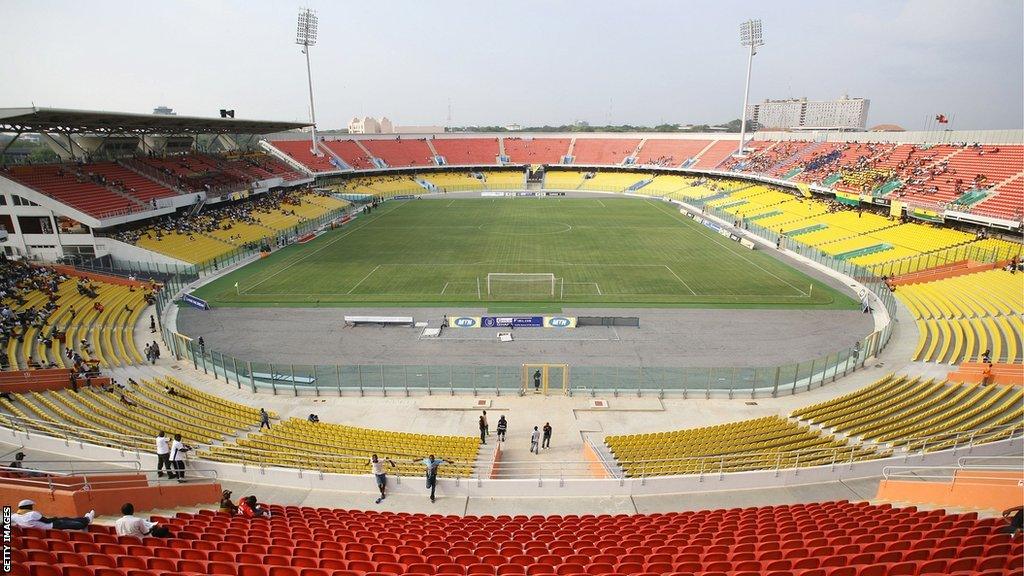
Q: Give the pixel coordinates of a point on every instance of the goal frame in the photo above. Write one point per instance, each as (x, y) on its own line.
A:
(521, 277)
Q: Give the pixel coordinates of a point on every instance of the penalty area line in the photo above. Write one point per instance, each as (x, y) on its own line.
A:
(681, 281)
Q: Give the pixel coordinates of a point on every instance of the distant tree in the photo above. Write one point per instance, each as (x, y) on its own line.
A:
(733, 125)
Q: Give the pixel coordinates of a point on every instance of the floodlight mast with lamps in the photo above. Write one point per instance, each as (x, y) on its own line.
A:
(305, 36)
(750, 35)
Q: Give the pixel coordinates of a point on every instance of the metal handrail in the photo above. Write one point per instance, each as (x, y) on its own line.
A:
(964, 461)
(92, 479)
(134, 463)
(889, 472)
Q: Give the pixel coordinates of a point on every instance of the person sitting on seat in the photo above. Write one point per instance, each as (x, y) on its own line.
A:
(1015, 517)
(250, 508)
(26, 517)
(131, 525)
(226, 505)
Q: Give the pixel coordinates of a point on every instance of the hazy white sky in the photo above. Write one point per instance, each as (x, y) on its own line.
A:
(526, 61)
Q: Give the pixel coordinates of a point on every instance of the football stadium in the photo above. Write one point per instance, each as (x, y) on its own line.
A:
(792, 344)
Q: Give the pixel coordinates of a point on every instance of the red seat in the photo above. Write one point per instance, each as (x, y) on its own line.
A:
(131, 562)
(39, 569)
(251, 570)
(71, 571)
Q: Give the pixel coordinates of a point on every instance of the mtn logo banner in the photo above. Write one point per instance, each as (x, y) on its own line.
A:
(464, 321)
(559, 322)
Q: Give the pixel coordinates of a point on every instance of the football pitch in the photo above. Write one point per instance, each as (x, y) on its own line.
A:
(523, 253)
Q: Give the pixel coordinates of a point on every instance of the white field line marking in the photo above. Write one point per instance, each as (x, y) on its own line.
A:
(594, 284)
(601, 203)
(445, 287)
(450, 204)
(364, 278)
(478, 296)
(671, 271)
(304, 256)
(740, 254)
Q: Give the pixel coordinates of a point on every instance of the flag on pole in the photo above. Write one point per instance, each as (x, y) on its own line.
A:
(941, 119)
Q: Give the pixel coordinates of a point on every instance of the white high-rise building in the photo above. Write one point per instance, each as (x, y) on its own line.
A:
(848, 114)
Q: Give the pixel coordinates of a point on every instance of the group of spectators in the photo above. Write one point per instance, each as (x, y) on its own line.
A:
(18, 280)
(247, 507)
(212, 219)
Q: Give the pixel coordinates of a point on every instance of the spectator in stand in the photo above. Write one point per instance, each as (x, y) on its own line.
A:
(1015, 520)
(131, 525)
(27, 517)
(264, 419)
(226, 505)
(248, 507)
(163, 455)
(178, 450)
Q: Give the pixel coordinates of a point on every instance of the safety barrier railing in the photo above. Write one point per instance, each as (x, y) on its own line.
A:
(69, 433)
(94, 479)
(1013, 462)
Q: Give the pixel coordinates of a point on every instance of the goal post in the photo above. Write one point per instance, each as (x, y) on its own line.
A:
(521, 284)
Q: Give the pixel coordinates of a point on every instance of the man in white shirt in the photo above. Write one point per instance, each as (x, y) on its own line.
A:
(163, 455)
(535, 441)
(132, 525)
(178, 450)
(377, 466)
(26, 517)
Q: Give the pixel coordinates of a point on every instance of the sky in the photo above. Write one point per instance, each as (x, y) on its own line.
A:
(530, 62)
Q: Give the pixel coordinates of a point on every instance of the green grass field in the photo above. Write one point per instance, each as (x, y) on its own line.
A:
(616, 252)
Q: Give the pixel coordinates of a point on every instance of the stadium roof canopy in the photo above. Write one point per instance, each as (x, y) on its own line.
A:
(65, 121)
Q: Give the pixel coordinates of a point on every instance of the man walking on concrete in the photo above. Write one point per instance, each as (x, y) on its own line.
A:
(547, 436)
(535, 441)
(502, 428)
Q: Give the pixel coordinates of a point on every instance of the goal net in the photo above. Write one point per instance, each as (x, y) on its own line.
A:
(520, 284)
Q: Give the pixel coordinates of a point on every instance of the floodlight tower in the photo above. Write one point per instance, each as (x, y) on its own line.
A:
(305, 36)
(750, 35)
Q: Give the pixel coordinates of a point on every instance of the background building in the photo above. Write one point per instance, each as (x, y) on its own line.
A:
(369, 125)
(802, 114)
